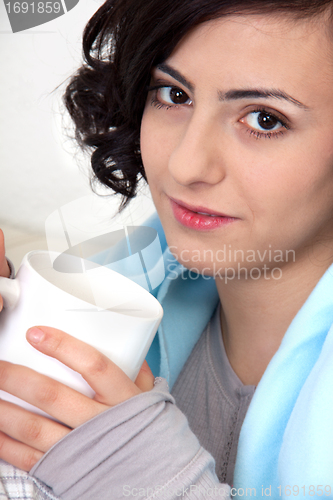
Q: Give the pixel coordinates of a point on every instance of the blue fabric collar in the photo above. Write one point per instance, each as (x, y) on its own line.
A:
(287, 435)
(188, 301)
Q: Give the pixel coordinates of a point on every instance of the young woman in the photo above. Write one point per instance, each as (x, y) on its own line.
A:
(226, 109)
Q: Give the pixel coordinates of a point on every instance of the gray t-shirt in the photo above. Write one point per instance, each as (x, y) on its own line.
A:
(213, 398)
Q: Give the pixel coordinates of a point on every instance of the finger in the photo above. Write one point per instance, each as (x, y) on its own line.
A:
(1, 303)
(145, 379)
(111, 385)
(20, 455)
(61, 402)
(29, 428)
(4, 267)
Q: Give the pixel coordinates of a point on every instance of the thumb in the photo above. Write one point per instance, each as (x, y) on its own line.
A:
(145, 379)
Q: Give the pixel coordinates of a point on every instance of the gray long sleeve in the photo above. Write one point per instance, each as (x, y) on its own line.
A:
(140, 448)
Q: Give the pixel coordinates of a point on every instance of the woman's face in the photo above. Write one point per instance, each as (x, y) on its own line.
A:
(237, 144)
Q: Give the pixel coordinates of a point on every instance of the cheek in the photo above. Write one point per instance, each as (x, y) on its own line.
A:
(145, 139)
(157, 141)
(150, 142)
(292, 202)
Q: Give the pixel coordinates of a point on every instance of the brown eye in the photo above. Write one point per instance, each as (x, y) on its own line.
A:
(173, 95)
(267, 121)
(178, 96)
(263, 121)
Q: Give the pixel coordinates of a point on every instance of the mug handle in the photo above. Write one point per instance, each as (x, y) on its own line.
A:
(10, 292)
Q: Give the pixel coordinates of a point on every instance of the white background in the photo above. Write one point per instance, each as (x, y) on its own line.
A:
(40, 166)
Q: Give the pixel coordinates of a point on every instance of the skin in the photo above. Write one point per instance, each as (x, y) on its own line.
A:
(24, 436)
(4, 268)
(204, 153)
(278, 186)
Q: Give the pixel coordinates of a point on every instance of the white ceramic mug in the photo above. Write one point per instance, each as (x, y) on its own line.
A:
(99, 306)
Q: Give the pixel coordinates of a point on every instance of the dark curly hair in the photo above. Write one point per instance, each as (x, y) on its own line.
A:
(122, 42)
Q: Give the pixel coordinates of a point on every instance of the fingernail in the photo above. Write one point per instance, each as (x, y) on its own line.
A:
(35, 335)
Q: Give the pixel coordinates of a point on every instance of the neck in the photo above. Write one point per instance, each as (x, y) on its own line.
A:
(255, 315)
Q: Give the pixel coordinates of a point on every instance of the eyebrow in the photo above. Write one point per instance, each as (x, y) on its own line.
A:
(176, 75)
(234, 94)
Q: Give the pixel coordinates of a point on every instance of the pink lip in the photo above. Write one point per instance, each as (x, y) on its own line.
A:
(188, 216)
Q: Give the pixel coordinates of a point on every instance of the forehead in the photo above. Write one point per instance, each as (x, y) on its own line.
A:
(261, 48)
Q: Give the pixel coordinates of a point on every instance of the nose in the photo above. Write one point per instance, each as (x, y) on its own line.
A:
(198, 155)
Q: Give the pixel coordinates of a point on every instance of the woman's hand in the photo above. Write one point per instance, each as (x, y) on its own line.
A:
(4, 267)
(25, 436)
